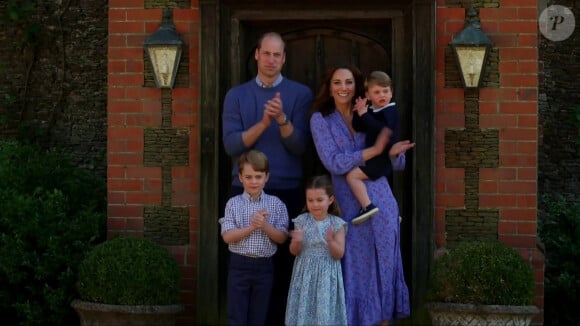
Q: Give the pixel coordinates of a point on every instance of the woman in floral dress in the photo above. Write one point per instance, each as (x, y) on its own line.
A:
(375, 288)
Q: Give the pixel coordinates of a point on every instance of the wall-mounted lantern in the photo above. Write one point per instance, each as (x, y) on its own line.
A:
(471, 47)
(164, 51)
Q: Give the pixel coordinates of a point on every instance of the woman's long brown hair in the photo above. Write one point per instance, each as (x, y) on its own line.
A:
(323, 102)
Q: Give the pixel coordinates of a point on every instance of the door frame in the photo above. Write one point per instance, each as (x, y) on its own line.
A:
(411, 20)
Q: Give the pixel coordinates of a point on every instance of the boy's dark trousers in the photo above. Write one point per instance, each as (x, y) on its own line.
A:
(283, 260)
(249, 288)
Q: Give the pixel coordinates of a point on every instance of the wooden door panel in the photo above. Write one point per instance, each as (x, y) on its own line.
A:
(301, 61)
(309, 52)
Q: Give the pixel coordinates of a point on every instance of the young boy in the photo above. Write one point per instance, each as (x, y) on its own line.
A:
(253, 223)
(380, 116)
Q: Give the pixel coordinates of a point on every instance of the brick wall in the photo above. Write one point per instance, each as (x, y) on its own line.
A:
(152, 149)
(486, 139)
(72, 60)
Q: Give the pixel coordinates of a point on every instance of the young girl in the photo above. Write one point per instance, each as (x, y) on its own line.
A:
(316, 295)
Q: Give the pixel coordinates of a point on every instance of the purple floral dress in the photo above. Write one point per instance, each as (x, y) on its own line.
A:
(374, 282)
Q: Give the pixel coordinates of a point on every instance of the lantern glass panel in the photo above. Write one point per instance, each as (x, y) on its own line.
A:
(471, 59)
(164, 59)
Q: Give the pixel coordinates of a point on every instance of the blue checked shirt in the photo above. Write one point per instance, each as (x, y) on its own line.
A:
(238, 215)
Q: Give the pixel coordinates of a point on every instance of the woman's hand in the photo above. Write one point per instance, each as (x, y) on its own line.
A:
(400, 147)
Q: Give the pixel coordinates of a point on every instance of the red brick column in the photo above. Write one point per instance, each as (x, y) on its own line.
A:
(508, 105)
(135, 109)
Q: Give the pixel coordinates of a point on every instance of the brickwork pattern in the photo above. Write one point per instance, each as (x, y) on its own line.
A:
(494, 195)
(166, 147)
(471, 148)
(153, 151)
(101, 42)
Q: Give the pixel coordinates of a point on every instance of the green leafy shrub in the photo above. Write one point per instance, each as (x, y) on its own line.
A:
(559, 229)
(51, 214)
(129, 271)
(482, 273)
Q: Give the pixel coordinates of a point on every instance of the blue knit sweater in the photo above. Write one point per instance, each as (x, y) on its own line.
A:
(244, 107)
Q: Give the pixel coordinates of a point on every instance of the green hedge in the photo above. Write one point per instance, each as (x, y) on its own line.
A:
(129, 271)
(51, 214)
(559, 229)
(489, 273)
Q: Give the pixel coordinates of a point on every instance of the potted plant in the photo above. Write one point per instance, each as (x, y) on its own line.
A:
(481, 283)
(128, 281)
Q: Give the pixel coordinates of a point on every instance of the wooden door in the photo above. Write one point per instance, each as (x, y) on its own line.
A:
(310, 50)
(395, 36)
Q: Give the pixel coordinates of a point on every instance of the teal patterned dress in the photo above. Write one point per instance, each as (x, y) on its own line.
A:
(316, 295)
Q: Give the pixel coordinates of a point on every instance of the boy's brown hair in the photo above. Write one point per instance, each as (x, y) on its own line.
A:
(256, 159)
(378, 77)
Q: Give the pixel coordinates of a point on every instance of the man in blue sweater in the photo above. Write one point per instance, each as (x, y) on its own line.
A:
(269, 113)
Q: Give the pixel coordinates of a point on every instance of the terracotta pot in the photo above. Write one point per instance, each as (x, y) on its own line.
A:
(455, 314)
(99, 314)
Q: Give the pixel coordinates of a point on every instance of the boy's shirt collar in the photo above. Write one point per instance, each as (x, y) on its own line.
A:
(371, 107)
(252, 199)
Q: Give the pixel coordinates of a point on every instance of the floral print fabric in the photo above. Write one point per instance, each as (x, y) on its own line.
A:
(316, 295)
(375, 287)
